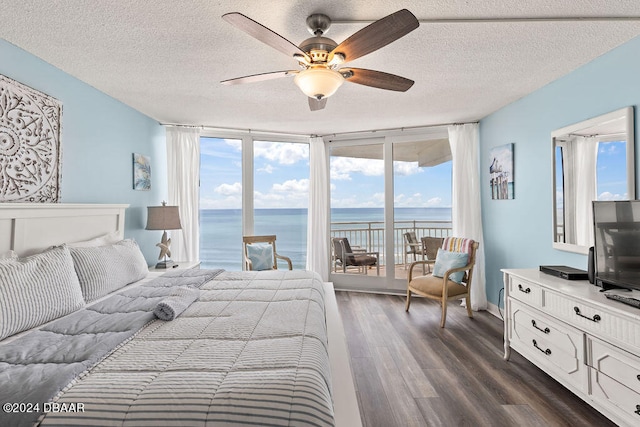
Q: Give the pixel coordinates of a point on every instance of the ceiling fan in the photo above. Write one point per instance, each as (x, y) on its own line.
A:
(320, 58)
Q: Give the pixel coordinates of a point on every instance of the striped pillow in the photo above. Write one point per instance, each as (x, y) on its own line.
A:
(458, 244)
(104, 269)
(37, 289)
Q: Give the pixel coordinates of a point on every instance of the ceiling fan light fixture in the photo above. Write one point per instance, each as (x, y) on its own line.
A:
(318, 82)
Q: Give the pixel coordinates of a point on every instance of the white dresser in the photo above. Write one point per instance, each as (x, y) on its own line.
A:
(588, 343)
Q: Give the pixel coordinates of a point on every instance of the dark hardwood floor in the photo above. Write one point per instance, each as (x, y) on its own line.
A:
(410, 372)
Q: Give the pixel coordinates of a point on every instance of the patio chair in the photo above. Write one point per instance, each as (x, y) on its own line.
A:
(451, 275)
(430, 246)
(412, 247)
(260, 253)
(345, 256)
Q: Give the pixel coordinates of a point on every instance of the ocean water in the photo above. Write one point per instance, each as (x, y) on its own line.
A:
(221, 230)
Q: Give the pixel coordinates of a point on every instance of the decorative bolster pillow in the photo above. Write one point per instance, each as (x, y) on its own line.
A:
(173, 305)
(37, 289)
(104, 269)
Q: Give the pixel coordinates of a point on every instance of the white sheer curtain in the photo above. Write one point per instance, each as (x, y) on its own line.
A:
(183, 170)
(465, 201)
(586, 153)
(317, 240)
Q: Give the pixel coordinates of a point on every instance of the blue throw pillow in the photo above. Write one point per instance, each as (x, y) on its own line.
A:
(261, 256)
(446, 260)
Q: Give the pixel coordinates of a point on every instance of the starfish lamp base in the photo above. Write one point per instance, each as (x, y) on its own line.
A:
(166, 264)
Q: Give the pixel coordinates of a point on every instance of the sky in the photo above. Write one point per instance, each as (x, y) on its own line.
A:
(612, 171)
(281, 178)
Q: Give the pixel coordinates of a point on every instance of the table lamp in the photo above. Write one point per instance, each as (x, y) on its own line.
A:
(163, 218)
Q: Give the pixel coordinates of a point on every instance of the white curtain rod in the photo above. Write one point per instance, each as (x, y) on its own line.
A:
(239, 130)
(273, 133)
(504, 20)
(401, 129)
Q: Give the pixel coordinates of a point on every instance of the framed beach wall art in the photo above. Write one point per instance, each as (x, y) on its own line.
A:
(501, 172)
(30, 151)
(141, 172)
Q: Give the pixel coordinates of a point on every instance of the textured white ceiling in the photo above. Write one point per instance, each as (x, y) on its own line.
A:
(166, 58)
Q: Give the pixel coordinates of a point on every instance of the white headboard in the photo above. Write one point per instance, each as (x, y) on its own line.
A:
(29, 228)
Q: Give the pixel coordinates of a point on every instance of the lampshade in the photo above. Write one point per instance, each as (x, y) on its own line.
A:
(318, 82)
(163, 218)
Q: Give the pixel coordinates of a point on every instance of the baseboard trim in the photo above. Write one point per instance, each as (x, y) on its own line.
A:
(495, 310)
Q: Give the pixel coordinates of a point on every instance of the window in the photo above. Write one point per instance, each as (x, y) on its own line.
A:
(221, 203)
(271, 178)
(281, 196)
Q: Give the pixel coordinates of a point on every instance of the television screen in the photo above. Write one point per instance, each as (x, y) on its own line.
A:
(617, 243)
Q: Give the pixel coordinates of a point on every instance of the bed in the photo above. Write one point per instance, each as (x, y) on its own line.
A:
(243, 348)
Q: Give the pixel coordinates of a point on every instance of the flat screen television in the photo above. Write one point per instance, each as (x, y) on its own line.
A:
(617, 244)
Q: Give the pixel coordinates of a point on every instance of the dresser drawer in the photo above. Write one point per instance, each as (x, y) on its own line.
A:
(594, 319)
(554, 345)
(525, 291)
(624, 402)
(615, 363)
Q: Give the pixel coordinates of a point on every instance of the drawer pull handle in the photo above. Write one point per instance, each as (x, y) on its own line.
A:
(545, 330)
(637, 411)
(638, 377)
(547, 351)
(595, 318)
(526, 291)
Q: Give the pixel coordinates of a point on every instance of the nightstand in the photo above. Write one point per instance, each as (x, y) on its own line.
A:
(181, 265)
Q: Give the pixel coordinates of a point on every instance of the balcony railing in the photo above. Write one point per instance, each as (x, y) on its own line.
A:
(370, 235)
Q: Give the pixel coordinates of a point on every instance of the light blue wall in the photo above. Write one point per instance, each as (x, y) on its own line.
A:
(99, 135)
(518, 232)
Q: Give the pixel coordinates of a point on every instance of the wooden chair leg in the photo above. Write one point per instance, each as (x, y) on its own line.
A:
(468, 304)
(444, 313)
(406, 308)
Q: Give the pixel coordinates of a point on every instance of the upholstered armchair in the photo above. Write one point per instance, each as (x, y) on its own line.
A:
(451, 276)
(260, 253)
(345, 256)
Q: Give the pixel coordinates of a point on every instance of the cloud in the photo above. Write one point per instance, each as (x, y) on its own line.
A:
(416, 201)
(406, 168)
(267, 169)
(292, 186)
(229, 189)
(611, 147)
(343, 167)
(434, 201)
(235, 143)
(282, 153)
(607, 196)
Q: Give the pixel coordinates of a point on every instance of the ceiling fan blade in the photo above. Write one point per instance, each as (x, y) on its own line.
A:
(263, 34)
(258, 77)
(377, 34)
(317, 104)
(377, 79)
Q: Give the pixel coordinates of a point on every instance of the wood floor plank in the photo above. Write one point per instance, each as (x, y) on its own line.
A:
(523, 416)
(409, 370)
(403, 406)
(374, 406)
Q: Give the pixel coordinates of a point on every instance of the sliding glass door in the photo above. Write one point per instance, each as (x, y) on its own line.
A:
(357, 211)
(387, 193)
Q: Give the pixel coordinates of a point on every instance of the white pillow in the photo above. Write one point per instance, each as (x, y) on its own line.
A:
(104, 269)
(107, 239)
(8, 255)
(37, 289)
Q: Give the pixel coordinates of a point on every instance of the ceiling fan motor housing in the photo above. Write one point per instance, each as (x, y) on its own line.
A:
(318, 48)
